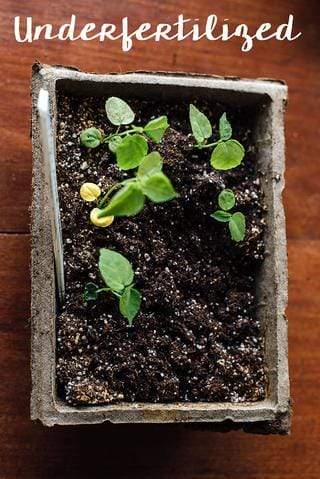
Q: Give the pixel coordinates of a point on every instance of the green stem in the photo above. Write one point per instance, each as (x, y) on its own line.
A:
(135, 129)
(106, 196)
(113, 188)
(117, 294)
(103, 289)
(209, 145)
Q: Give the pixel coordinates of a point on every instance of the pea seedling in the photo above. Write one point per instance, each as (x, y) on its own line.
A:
(236, 221)
(118, 275)
(149, 182)
(227, 153)
(130, 146)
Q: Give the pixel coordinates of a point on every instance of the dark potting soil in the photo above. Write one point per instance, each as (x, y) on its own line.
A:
(197, 336)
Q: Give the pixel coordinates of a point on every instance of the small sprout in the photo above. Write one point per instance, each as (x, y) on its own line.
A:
(101, 222)
(149, 182)
(236, 221)
(118, 275)
(90, 191)
(91, 137)
(130, 146)
(227, 153)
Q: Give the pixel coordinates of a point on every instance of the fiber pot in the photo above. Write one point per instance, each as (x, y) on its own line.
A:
(272, 415)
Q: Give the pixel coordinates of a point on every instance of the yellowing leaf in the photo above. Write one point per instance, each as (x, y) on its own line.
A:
(90, 191)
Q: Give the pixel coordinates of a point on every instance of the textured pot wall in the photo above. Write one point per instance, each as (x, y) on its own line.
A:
(269, 416)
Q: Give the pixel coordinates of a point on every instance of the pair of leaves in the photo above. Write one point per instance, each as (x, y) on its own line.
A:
(228, 153)
(150, 182)
(236, 221)
(202, 129)
(118, 275)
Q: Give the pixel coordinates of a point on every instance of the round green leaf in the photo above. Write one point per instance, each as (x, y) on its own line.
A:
(158, 188)
(156, 128)
(226, 199)
(225, 128)
(129, 304)
(131, 151)
(114, 142)
(150, 165)
(227, 155)
(237, 226)
(127, 202)
(200, 125)
(91, 137)
(222, 216)
(115, 269)
(118, 111)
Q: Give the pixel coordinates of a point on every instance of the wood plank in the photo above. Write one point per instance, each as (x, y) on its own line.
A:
(297, 63)
(29, 450)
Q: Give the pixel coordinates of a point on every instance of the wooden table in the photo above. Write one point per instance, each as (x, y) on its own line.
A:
(31, 451)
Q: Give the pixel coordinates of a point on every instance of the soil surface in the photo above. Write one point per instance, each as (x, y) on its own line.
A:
(197, 337)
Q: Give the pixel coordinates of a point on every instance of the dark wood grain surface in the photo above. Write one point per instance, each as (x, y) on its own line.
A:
(29, 450)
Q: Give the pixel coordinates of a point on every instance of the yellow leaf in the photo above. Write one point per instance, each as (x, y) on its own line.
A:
(90, 191)
(102, 222)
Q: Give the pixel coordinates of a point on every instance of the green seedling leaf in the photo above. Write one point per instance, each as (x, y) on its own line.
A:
(127, 202)
(156, 128)
(150, 165)
(237, 226)
(131, 151)
(118, 111)
(129, 304)
(115, 269)
(226, 199)
(90, 292)
(158, 188)
(222, 216)
(91, 137)
(225, 128)
(227, 155)
(114, 142)
(200, 125)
